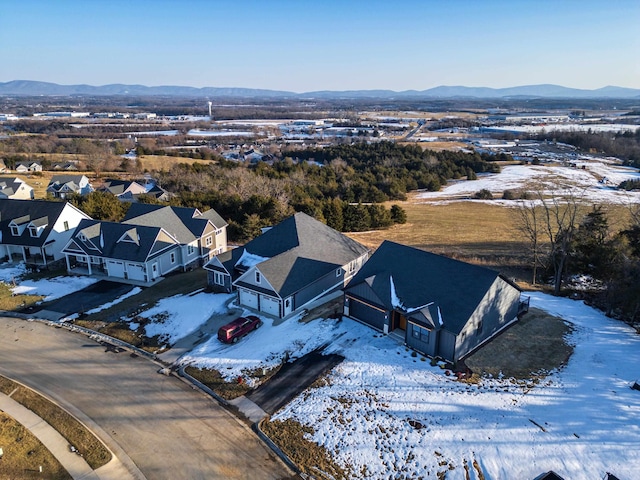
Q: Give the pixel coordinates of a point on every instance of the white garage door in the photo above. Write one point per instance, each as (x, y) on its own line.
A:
(270, 305)
(135, 271)
(115, 269)
(249, 299)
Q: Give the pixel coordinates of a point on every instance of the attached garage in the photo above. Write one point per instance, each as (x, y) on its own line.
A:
(248, 298)
(136, 271)
(115, 269)
(366, 313)
(270, 305)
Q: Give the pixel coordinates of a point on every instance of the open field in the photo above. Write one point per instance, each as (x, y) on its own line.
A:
(24, 454)
(165, 162)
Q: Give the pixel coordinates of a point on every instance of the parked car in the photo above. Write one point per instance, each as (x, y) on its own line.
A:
(233, 331)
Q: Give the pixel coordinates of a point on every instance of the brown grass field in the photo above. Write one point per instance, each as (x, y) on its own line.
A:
(24, 454)
(165, 162)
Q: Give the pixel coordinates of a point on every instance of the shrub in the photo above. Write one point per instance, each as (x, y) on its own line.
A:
(484, 194)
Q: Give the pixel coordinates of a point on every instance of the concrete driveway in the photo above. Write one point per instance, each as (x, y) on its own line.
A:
(83, 300)
(165, 427)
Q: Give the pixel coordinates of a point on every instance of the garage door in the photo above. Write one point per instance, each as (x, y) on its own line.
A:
(270, 305)
(366, 314)
(115, 269)
(136, 271)
(249, 299)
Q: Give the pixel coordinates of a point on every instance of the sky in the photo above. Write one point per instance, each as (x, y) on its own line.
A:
(304, 46)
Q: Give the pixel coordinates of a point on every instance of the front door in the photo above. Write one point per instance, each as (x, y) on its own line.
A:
(398, 321)
(154, 271)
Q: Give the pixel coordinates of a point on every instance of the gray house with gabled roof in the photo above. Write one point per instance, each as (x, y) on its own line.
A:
(122, 251)
(201, 235)
(441, 307)
(62, 185)
(289, 265)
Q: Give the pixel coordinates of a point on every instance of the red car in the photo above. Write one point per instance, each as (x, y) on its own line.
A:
(233, 331)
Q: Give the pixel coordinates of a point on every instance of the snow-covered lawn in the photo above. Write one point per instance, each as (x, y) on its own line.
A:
(177, 316)
(10, 273)
(587, 418)
(52, 288)
(264, 348)
(556, 179)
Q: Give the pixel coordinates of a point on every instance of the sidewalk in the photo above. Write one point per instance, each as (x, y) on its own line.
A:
(59, 447)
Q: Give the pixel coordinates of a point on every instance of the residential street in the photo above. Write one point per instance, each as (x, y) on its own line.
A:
(165, 427)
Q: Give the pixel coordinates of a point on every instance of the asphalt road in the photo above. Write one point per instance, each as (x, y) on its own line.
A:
(291, 380)
(169, 430)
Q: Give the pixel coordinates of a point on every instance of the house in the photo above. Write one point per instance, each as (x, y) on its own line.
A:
(28, 167)
(288, 266)
(201, 235)
(36, 231)
(67, 166)
(62, 185)
(15, 187)
(440, 307)
(129, 191)
(125, 190)
(121, 251)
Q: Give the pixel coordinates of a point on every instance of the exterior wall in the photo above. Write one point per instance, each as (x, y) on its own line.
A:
(446, 345)
(164, 261)
(322, 285)
(59, 234)
(220, 240)
(189, 259)
(227, 287)
(498, 308)
(416, 339)
(249, 277)
(351, 268)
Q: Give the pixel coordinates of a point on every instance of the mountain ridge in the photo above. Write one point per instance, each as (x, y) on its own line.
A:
(38, 88)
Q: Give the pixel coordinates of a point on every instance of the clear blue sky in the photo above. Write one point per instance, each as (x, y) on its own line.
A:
(322, 45)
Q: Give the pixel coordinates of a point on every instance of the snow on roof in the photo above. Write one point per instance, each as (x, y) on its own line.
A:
(250, 260)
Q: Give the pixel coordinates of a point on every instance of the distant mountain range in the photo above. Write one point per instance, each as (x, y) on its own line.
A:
(28, 87)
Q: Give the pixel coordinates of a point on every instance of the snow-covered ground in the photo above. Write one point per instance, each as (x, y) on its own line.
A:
(549, 178)
(589, 413)
(177, 316)
(52, 288)
(569, 127)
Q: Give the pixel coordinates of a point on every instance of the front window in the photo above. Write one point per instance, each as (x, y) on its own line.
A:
(173, 257)
(218, 278)
(33, 231)
(420, 333)
(257, 277)
(190, 249)
(208, 241)
(15, 231)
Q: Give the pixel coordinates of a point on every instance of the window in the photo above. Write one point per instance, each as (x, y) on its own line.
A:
(208, 241)
(218, 278)
(173, 257)
(219, 231)
(190, 249)
(338, 272)
(15, 231)
(420, 333)
(257, 276)
(352, 267)
(66, 226)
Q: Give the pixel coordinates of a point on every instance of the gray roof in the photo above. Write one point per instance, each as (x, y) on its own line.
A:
(10, 185)
(25, 211)
(134, 243)
(185, 224)
(420, 278)
(300, 250)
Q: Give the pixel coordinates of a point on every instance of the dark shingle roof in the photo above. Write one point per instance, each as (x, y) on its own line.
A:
(421, 277)
(118, 241)
(27, 211)
(299, 250)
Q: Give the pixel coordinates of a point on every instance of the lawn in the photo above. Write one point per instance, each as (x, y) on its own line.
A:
(165, 162)
(11, 302)
(23, 454)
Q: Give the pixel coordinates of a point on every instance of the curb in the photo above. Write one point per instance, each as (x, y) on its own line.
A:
(256, 427)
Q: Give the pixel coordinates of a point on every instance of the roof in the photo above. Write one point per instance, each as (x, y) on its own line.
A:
(72, 182)
(411, 280)
(40, 212)
(297, 252)
(185, 224)
(119, 241)
(10, 185)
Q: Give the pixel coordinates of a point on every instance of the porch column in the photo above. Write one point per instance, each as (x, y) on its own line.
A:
(66, 259)
(89, 263)
(24, 254)
(44, 255)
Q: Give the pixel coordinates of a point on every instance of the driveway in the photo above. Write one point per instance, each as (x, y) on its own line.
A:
(83, 300)
(291, 380)
(163, 425)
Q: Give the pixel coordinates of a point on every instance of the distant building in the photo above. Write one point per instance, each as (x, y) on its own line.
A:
(62, 185)
(15, 187)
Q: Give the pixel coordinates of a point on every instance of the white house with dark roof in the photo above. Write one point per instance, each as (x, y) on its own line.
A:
(62, 185)
(36, 231)
(15, 188)
(295, 262)
(439, 306)
(201, 235)
(121, 251)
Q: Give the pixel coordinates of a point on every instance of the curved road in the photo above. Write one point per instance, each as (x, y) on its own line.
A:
(165, 427)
